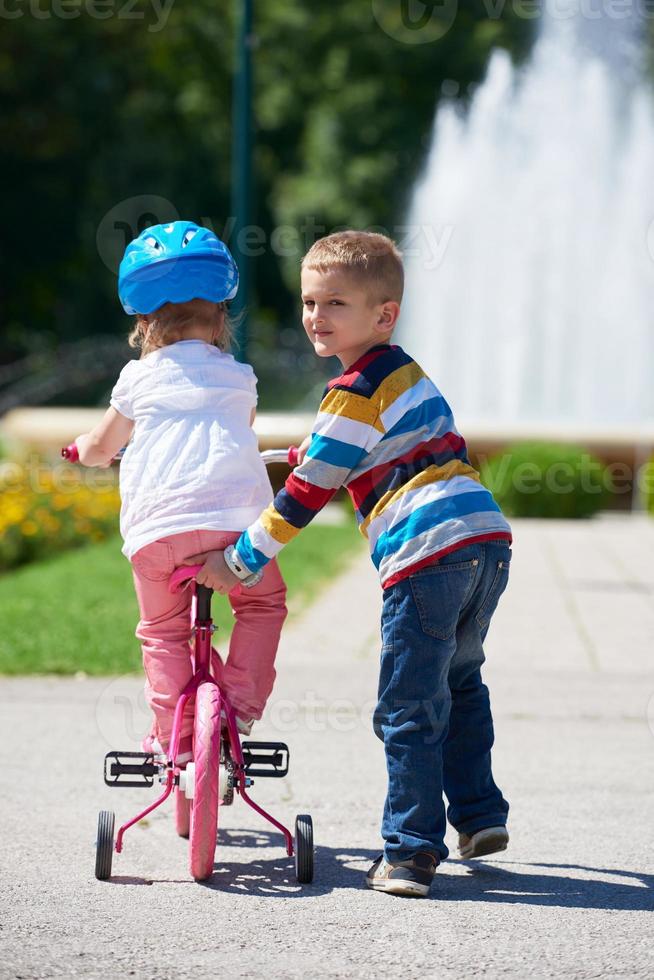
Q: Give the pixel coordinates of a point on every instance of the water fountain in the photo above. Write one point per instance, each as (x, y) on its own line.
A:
(539, 314)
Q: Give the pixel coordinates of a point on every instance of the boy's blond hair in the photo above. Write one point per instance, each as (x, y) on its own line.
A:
(373, 260)
(170, 323)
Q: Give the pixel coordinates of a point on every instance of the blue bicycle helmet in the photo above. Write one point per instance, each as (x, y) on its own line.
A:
(175, 263)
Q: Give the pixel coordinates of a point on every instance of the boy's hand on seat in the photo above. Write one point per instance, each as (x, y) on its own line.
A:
(214, 572)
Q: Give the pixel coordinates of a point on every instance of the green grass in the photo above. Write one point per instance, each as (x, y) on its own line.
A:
(78, 612)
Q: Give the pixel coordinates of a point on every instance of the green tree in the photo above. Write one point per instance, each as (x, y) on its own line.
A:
(97, 112)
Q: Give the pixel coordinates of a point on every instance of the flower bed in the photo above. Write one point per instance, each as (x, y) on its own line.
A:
(45, 509)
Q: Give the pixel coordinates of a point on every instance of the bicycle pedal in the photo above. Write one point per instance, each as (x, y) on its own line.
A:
(119, 772)
(268, 759)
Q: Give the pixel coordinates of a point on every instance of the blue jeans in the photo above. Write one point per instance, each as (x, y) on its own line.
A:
(434, 713)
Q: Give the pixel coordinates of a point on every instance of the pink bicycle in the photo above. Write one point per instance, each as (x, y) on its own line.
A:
(222, 765)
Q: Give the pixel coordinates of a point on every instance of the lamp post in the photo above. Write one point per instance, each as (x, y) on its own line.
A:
(242, 170)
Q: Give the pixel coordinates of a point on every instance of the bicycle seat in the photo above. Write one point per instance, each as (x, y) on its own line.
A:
(182, 576)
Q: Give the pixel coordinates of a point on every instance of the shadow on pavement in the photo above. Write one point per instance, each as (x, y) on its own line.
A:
(514, 883)
(275, 877)
(486, 882)
(129, 880)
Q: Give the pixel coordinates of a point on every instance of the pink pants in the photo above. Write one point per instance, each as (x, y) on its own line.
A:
(164, 630)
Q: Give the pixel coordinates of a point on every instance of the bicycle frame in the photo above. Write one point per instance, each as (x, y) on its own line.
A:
(203, 629)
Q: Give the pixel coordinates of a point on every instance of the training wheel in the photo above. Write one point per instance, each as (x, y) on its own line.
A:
(104, 845)
(303, 848)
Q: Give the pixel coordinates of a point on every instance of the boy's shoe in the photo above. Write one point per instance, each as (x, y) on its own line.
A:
(413, 877)
(481, 842)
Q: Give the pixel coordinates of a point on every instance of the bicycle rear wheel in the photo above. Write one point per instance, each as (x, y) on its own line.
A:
(206, 754)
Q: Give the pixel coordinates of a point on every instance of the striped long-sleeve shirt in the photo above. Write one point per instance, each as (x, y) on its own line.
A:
(385, 432)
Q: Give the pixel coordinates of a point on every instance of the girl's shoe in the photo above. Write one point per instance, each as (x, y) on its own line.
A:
(411, 878)
(481, 842)
(151, 744)
(185, 753)
(243, 725)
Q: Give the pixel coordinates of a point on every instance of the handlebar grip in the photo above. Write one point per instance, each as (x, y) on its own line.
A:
(70, 453)
(292, 455)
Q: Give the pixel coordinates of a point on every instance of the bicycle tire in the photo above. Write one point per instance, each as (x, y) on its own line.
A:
(182, 814)
(304, 848)
(104, 845)
(206, 754)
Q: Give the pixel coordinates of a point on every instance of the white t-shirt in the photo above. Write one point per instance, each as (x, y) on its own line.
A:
(193, 462)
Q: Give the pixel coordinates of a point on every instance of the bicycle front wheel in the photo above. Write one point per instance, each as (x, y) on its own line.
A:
(206, 755)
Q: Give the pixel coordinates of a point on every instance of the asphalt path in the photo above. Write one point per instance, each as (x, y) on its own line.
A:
(572, 682)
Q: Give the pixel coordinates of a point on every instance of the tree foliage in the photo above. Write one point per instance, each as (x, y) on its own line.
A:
(94, 112)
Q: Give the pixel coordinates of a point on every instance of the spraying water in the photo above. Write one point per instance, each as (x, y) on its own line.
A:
(530, 290)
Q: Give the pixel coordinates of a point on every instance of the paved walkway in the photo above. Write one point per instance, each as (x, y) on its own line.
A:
(571, 672)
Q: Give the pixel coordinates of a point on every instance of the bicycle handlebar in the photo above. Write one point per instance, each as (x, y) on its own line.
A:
(288, 456)
(280, 456)
(70, 453)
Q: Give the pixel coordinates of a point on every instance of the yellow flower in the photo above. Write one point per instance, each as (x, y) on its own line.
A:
(29, 528)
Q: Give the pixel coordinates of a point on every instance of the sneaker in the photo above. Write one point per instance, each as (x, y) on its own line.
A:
(152, 744)
(243, 725)
(185, 750)
(413, 877)
(481, 842)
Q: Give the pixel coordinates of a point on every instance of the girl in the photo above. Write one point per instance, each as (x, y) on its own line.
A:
(191, 478)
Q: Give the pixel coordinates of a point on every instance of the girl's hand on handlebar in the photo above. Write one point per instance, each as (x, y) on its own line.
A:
(99, 446)
(214, 572)
(302, 449)
(88, 454)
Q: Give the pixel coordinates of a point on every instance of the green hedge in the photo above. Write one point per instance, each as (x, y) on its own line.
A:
(538, 479)
(647, 486)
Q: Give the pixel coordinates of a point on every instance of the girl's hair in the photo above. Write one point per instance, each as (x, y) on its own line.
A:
(171, 321)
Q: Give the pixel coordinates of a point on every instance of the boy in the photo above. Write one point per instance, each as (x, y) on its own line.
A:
(437, 537)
